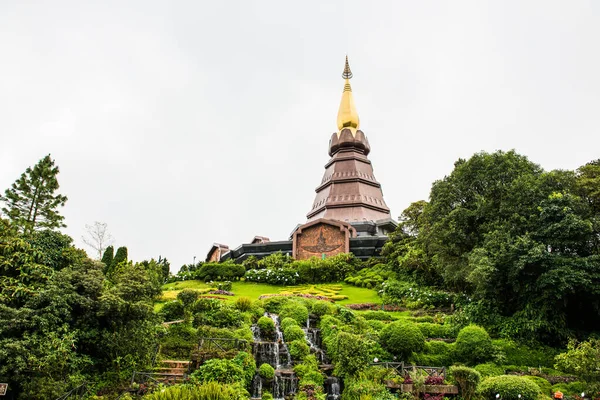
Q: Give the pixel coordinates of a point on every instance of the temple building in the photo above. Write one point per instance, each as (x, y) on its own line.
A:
(348, 214)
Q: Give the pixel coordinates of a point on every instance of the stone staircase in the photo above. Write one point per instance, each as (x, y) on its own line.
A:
(171, 371)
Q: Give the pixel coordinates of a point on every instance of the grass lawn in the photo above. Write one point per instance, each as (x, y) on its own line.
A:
(255, 290)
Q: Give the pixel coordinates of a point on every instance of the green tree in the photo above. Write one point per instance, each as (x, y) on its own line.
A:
(582, 359)
(107, 257)
(31, 202)
(402, 338)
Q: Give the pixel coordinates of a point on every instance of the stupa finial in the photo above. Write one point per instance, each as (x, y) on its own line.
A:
(347, 115)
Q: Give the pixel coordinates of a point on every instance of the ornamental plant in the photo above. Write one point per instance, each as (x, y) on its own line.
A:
(474, 345)
(509, 387)
(402, 338)
(266, 371)
(467, 380)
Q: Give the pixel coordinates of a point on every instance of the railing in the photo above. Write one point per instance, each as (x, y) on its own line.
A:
(403, 370)
(80, 390)
(223, 344)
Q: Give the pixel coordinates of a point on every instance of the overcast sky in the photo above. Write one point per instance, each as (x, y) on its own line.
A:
(183, 123)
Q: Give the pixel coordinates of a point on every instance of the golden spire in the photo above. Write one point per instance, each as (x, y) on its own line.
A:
(347, 116)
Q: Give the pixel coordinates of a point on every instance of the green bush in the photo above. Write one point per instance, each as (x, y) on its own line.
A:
(571, 388)
(543, 384)
(292, 333)
(402, 338)
(219, 271)
(296, 311)
(266, 326)
(246, 361)
(509, 387)
(266, 371)
(206, 304)
(298, 349)
(224, 317)
(188, 297)
(436, 353)
(266, 396)
(179, 341)
(473, 345)
(320, 308)
(209, 390)
(172, 311)
(518, 354)
(362, 388)
(489, 369)
(243, 303)
(285, 322)
(377, 325)
(431, 330)
(466, 379)
(377, 315)
(274, 304)
(219, 370)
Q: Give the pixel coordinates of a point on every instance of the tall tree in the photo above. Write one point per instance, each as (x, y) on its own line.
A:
(31, 202)
(107, 257)
(98, 237)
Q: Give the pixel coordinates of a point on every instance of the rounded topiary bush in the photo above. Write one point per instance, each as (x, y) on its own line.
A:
(473, 345)
(188, 296)
(509, 387)
(293, 332)
(402, 338)
(298, 349)
(320, 308)
(266, 326)
(266, 371)
(172, 311)
(287, 322)
(467, 380)
(296, 311)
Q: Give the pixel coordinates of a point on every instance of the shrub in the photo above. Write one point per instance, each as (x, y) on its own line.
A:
(351, 353)
(377, 315)
(219, 271)
(172, 311)
(436, 353)
(274, 304)
(188, 297)
(510, 387)
(286, 322)
(219, 370)
(467, 380)
(543, 384)
(223, 317)
(377, 325)
(518, 354)
(266, 371)
(293, 332)
(473, 345)
(402, 338)
(179, 341)
(204, 304)
(209, 390)
(266, 326)
(246, 362)
(320, 308)
(296, 311)
(361, 388)
(266, 396)
(489, 370)
(243, 303)
(298, 349)
(431, 330)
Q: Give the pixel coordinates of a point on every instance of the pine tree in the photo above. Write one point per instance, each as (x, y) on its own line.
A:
(120, 256)
(31, 202)
(107, 257)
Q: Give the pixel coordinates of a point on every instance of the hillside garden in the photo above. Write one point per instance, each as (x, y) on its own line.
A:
(489, 290)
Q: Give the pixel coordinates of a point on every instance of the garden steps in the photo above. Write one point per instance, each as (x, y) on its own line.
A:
(171, 371)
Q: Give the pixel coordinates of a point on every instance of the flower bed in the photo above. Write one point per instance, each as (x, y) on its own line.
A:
(374, 306)
(222, 292)
(304, 295)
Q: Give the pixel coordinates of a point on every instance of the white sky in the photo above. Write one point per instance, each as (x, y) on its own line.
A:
(183, 123)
